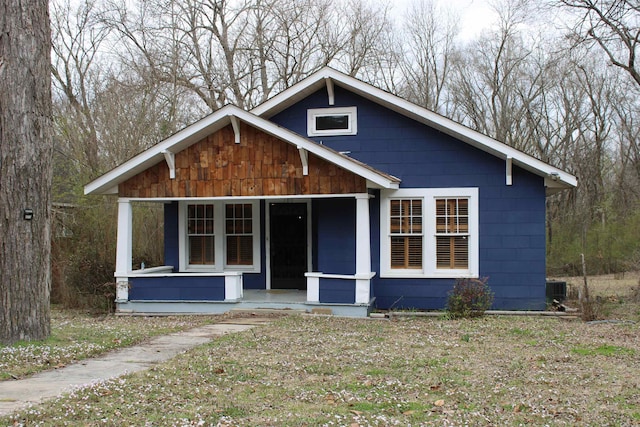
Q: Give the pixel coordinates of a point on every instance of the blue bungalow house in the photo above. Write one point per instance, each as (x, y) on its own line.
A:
(335, 195)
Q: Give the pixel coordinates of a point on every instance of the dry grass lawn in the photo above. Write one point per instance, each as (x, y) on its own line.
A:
(324, 371)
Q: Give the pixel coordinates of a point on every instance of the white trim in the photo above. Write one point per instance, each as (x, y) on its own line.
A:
(200, 274)
(220, 265)
(330, 91)
(428, 196)
(363, 235)
(350, 112)
(235, 123)
(315, 81)
(170, 158)
(124, 238)
(509, 171)
(304, 159)
(240, 198)
(321, 275)
(108, 183)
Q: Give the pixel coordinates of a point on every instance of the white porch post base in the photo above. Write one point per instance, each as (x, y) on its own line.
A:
(233, 287)
(122, 289)
(363, 287)
(313, 289)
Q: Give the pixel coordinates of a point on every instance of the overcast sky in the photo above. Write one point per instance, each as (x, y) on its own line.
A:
(475, 15)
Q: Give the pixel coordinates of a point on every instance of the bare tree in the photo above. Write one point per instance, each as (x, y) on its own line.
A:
(25, 170)
(494, 85)
(430, 51)
(613, 25)
(76, 45)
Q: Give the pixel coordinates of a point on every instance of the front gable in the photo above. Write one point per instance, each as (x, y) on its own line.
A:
(419, 155)
(329, 85)
(259, 165)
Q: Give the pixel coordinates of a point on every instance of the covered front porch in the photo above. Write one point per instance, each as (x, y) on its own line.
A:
(322, 265)
(254, 300)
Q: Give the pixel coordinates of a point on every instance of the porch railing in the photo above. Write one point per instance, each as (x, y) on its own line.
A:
(339, 288)
(233, 287)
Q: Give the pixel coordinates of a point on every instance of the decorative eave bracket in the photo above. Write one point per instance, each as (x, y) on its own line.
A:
(332, 98)
(509, 174)
(304, 158)
(235, 122)
(171, 162)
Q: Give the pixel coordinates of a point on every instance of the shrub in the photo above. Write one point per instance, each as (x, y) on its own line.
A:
(469, 298)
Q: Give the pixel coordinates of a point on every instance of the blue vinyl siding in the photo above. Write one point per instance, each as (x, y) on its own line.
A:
(335, 235)
(337, 291)
(171, 239)
(512, 218)
(176, 288)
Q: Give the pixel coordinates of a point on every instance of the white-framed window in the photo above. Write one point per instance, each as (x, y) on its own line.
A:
(200, 234)
(332, 121)
(219, 235)
(429, 232)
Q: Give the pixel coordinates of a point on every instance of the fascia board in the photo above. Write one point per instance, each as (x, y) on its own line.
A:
(153, 155)
(379, 179)
(192, 134)
(476, 139)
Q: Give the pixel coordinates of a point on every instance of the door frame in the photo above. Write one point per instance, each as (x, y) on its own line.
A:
(267, 234)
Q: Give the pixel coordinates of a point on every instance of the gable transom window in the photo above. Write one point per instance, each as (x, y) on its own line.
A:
(219, 236)
(332, 121)
(429, 233)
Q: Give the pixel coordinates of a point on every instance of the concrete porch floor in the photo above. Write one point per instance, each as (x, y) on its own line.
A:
(253, 299)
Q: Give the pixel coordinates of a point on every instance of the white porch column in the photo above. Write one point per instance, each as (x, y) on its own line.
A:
(123, 249)
(363, 249)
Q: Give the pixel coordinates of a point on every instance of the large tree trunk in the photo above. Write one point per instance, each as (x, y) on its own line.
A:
(25, 169)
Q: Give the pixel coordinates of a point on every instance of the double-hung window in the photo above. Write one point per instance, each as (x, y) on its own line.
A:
(219, 235)
(239, 231)
(406, 233)
(429, 233)
(200, 234)
(452, 233)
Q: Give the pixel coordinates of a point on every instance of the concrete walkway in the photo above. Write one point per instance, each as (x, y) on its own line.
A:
(16, 395)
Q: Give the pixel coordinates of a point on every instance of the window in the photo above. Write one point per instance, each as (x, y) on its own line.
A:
(406, 233)
(239, 231)
(429, 233)
(200, 225)
(220, 236)
(332, 121)
(452, 233)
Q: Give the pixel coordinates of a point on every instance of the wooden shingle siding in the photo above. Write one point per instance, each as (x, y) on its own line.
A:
(260, 165)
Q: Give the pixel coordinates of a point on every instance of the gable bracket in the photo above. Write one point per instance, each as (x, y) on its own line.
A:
(332, 98)
(304, 158)
(171, 162)
(236, 128)
(509, 170)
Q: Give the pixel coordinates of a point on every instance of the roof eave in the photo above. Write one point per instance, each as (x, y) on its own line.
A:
(443, 124)
(108, 183)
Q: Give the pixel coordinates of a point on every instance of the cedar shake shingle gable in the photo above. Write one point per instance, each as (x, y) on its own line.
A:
(260, 165)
